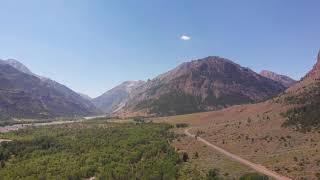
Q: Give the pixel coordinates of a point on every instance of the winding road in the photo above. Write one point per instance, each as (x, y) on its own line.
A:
(257, 167)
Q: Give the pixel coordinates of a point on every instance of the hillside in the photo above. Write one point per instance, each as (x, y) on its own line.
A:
(286, 81)
(25, 95)
(305, 97)
(114, 99)
(206, 84)
(281, 134)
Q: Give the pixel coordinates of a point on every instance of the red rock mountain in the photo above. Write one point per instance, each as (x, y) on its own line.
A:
(312, 77)
(304, 96)
(200, 85)
(284, 80)
(315, 72)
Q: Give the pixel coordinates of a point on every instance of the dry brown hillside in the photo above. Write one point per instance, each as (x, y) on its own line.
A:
(205, 84)
(255, 132)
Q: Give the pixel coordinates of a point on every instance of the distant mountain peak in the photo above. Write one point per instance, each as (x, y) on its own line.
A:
(17, 65)
(38, 96)
(117, 97)
(286, 81)
(85, 96)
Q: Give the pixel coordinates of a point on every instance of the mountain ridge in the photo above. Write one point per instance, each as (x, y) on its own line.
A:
(204, 84)
(22, 90)
(114, 99)
(286, 81)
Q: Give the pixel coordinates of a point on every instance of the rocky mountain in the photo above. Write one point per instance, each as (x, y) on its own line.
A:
(314, 74)
(304, 100)
(26, 95)
(18, 65)
(284, 80)
(116, 98)
(84, 96)
(200, 85)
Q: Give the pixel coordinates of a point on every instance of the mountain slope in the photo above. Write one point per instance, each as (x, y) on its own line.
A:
(18, 65)
(305, 97)
(25, 95)
(84, 96)
(200, 85)
(281, 133)
(117, 97)
(284, 80)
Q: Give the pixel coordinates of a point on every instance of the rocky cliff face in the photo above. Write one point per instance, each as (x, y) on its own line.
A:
(205, 84)
(282, 79)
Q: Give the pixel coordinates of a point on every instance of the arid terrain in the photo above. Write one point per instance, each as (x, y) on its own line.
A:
(254, 133)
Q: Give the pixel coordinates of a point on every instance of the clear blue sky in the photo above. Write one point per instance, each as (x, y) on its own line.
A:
(93, 45)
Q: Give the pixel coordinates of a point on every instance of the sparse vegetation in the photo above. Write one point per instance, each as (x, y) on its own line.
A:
(213, 174)
(139, 119)
(253, 176)
(305, 117)
(173, 103)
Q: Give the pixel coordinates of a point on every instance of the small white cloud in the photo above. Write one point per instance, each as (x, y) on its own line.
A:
(185, 38)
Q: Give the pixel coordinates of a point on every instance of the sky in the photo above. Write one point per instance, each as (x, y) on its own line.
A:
(94, 45)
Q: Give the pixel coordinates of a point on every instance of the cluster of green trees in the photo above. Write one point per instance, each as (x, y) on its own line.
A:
(179, 102)
(181, 125)
(224, 100)
(4, 119)
(306, 115)
(175, 103)
(96, 149)
(61, 152)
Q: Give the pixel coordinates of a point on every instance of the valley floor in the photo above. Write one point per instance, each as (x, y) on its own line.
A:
(95, 148)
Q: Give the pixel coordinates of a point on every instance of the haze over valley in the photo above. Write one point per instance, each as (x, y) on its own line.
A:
(160, 90)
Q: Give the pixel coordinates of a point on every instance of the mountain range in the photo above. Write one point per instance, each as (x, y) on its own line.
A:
(286, 81)
(200, 85)
(24, 94)
(205, 84)
(116, 98)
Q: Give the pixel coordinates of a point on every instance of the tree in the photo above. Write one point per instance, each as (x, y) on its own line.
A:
(185, 157)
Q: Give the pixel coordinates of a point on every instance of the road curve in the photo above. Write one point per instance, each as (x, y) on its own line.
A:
(257, 167)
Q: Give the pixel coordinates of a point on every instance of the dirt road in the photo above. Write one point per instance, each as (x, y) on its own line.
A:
(257, 167)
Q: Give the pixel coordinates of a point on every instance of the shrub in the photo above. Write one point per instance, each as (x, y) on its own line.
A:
(213, 174)
(254, 176)
(181, 125)
(196, 155)
(185, 157)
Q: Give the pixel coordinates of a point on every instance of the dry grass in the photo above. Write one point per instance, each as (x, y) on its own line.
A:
(254, 132)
